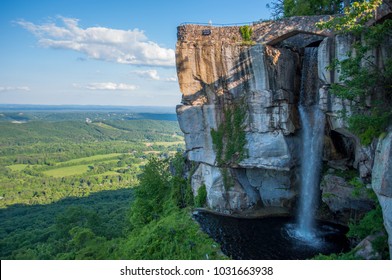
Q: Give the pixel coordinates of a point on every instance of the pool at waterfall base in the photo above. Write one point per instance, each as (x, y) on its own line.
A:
(271, 238)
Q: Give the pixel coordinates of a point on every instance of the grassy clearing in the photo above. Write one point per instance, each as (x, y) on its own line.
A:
(67, 171)
(79, 168)
(104, 125)
(91, 159)
(167, 144)
(17, 167)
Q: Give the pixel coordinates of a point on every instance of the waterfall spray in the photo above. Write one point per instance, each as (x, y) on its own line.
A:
(312, 123)
(312, 141)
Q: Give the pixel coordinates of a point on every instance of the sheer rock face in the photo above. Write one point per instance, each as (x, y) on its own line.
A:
(264, 82)
(382, 182)
(196, 122)
(216, 72)
(333, 106)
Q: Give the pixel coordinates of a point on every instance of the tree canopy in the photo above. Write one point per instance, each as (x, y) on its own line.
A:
(288, 8)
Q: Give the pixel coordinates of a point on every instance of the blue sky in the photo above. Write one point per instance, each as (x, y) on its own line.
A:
(115, 52)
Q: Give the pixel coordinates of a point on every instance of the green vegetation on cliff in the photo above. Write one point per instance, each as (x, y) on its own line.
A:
(201, 197)
(161, 224)
(371, 224)
(230, 139)
(366, 82)
(246, 34)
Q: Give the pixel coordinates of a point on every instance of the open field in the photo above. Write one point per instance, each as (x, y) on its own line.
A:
(91, 158)
(67, 171)
(104, 125)
(167, 144)
(17, 167)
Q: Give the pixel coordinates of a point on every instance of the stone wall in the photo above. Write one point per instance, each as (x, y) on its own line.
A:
(268, 32)
(194, 33)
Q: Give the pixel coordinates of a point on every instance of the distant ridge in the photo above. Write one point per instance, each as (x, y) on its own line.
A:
(134, 109)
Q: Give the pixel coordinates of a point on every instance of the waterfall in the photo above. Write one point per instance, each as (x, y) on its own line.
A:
(312, 123)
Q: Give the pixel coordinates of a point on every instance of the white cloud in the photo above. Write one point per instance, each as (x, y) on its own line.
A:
(171, 79)
(116, 45)
(12, 88)
(150, 74)
(106, 86)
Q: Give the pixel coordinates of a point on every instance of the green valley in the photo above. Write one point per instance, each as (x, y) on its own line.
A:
(73, 185)
(55, 155)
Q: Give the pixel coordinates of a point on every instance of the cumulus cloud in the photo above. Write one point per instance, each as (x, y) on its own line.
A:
(106, 86)
(13, 88)
(171, 79)
(149, 74)
(116, 45)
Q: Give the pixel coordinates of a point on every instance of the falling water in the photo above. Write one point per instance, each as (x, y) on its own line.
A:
(312, 122)
(281, 237)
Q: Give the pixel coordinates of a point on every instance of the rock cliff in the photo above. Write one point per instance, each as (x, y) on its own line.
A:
(223, 79)
(239, 115)
(219, 78)
(382, 182)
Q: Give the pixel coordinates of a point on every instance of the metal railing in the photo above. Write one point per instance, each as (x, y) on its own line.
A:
(224, 24)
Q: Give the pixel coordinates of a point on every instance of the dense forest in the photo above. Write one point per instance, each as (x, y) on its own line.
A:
(67, 183)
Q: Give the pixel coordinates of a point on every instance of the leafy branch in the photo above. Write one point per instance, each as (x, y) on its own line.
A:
(364, 80)
(354, 18)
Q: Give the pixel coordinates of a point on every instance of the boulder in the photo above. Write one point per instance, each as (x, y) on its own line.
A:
(275, 187)
(364, 250)
(221, 198)
(341, 197)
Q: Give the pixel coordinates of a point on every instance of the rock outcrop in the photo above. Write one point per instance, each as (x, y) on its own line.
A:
(239, 115)
(218, 75)
(343, 199)
(216, 78)
(364, 250)
(382, 182)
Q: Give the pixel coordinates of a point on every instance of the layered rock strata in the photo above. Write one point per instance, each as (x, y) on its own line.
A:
(234, 91)
(218, 74)
(260, 80)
